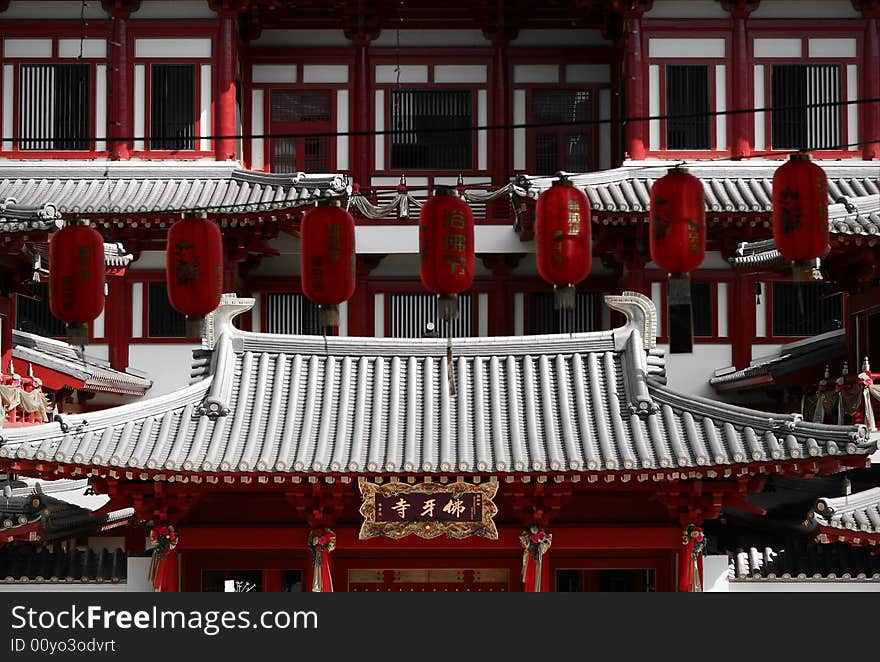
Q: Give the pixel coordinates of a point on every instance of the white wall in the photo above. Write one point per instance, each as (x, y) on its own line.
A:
(690, 373)
(716, 579)
(167, 364)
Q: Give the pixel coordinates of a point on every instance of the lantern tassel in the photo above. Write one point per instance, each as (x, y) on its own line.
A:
(806, 270)
(194, 326)
(447, 310)
(77, 334)
(681, 318)
(450, 365)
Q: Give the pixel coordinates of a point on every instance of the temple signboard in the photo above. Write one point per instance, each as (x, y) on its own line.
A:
(428, 510)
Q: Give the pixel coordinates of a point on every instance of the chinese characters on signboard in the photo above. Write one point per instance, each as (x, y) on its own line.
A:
(428, 510)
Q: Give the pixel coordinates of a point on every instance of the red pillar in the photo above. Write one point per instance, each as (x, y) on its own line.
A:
(635, 74)
(7, 306)
(742, 125)
(171, 573)
(118, 81)
(500, 165)
(224, 120)
(870, 112)
(360, 306)
(118, 316)
(744, 320)
(361, 163)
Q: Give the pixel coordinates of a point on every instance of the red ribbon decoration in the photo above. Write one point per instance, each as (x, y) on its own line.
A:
(322, 542)
(164, 539)
(535, 542)
(689, 568)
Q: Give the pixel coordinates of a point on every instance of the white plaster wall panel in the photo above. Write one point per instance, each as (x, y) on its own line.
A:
(273, 73)
(325, 73)
(205, 124)
(429, 38)
(90, 48)
(686, 9)
(721, 104)
(342, 127)
(482, 138)
(587, 73)
(852, 111)
(149, 260)
(176, 9)
(760, 141)
(657, 298)
(394, 181)
(172, 48)
(690, 373)
(762, 350)
(8, 104)
(162, 362)
(405, 239)
(805, 9)
(604, 130)
(811, 586)
(97, 328)
(715, 573)
(560, 38)
(56, 9)
(460, 73)
(482, 314)
(258, 145)
(140, 101)
(343, 318)
(409, 73)
(761, 313)
(721, 310)
(137, 310)
(519, 135)
(257, 313)
(381, 138)
(302, 37)
(379, 315)
(714, 260)
(686, 47)
(778, 47)
(535, 73)
(519, 318)
(100, 106)
(838, 47)
(27, 47)
(654, 106)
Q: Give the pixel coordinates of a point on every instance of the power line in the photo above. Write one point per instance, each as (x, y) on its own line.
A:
(470, 129)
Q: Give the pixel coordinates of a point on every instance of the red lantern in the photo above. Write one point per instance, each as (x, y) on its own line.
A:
(800, 213)
(562, 239)
(446, 247)
(678, 246)
(194, 269)
(328, 259)
(76, 284)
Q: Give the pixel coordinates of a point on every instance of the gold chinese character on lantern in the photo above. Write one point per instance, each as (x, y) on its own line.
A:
(456, 265)
(455, 242)
(454, 219)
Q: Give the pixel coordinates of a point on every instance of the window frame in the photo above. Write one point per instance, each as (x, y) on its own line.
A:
(712, 103)
(93, 62)
(711, 65)
(712, 276)
(14, 319)
(145, 277)
(767, 294)
(296, 127)
(591, 133)
(843, 62)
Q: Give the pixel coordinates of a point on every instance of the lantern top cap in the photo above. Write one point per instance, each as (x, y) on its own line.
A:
(329, 202)
(562, 179)
(799, 156)
(678, 169)
(445, 189)
(194, 214)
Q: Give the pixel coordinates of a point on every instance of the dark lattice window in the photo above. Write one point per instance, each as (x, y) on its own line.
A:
(799, 85)
(564, 148)
(702, 304)
(805, 309)
(54, 106)
(687, 93)
(34, 315)
(414, 315)
(301, 111)
(163, 320)
(430, 124)
(291, 313)
(173, 106)
(545, 318)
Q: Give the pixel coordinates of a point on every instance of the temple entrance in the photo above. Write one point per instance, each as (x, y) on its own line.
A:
(609, 580)
(427, 580)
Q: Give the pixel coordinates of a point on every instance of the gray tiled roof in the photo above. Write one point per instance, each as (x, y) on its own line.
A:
(28, 563)
(731, 186)
(115, 255)
(59, 356)
(856, 512)
(584, 402)
(15, 217)
(800, 561)
(92, 187)
(791, 357)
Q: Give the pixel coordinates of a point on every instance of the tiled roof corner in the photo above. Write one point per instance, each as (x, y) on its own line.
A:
(854, 512)
(641, 316)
